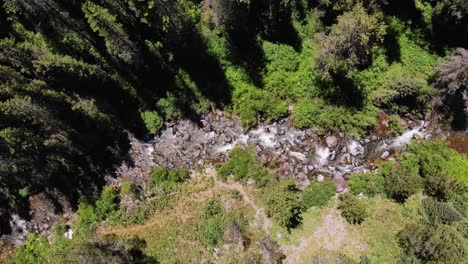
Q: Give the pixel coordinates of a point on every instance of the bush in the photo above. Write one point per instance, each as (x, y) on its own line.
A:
(243, 165)
(280, 57)
(407, 93)
(434, 245)
(160, 176)
(254, 105)
(211, 229)
(34, 250)
(434, 158)
(440, 212)
(283, 203)
(395, 127)
(152, 121)
(367, 183)
(306, 114)
(443, 187)
(399, 184)
(106, 204)
(318, 194)
(314, 114)
(352, 209)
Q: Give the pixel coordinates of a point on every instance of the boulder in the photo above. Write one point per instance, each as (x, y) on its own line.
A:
(385, 155)
(417, 136)
(320, 178)
(331, 141)
(340, 184)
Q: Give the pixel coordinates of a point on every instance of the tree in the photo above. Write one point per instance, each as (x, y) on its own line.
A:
(318, 194)
(349, 44)
(368, 183)
(443, 187)
(399, 184)
(435, 245)
(117, 41)
(441, 212)
(283, 203)
(352, 209)
(451, 75)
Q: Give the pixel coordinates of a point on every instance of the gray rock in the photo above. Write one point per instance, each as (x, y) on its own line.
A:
(385, 155)
(331, 141)
(320, 178)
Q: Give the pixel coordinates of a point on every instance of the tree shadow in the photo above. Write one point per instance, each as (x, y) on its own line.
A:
(392, 47)
(341, 90)
(455, 105)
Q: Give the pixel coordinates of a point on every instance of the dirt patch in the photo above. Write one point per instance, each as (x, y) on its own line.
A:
(332, 235)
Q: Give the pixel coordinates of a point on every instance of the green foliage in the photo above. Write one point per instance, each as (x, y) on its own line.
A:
(211, 229)
(127, 187)
(280, 57)
(106, 204)
(152, 121)
(102, 21)
(395, 127)
(243, 165)
(399, 184)
(318, 194)
(352, 209)
(34, 250)
(349, 44)
(443, 187)
(159, 176)
(435, 245)
(314, 114)
(254, 105)
(406, 94)
(440, 212)
(434, 158)
(370, 184)
(283, 203)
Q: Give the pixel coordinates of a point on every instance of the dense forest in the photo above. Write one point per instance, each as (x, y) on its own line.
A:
(78, 77)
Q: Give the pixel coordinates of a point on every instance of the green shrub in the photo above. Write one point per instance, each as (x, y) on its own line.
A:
(159, 176)
(34, 250)
(398, 183)
(443, 187)
(434, 158)
(152, 121)
(211, 229)
(352, 209)
(254, 105)
(243, 165)
(314, 114)
(306, 114)
(433, 245)
(395, 127)
(440, 212)
(279, 84)
(127, 188)
(367, 183)
(283, 203)
(318, 194)
(280, 57)
(106, 204)
(407, 94)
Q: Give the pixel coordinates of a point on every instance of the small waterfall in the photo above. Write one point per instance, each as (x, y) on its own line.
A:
(268, 139)
(355, 148)
(322, 154)
(406, 137)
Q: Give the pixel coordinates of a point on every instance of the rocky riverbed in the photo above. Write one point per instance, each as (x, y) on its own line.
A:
(303, 154)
